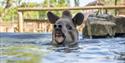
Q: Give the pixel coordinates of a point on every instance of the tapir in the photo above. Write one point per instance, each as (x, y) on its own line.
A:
(64, 28)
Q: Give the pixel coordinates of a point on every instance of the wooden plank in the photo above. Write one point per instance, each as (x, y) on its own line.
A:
(71, 8)
(35, 20)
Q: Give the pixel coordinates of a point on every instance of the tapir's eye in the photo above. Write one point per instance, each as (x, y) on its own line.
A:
(69, 27)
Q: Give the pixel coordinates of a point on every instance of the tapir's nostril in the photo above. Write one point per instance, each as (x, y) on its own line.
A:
(58, 26)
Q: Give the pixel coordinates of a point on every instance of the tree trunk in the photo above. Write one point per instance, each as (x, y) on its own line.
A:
(68, 2)
(76, 2)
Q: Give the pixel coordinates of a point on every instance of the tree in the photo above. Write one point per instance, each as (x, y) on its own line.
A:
(9, 11)
(76, 2)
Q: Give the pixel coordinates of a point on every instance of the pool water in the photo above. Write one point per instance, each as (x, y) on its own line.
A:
(35, 48)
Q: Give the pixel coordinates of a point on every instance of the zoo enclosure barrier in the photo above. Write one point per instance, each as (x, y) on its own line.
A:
(45, 23)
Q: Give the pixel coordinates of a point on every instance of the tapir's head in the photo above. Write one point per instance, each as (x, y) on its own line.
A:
(64, 28)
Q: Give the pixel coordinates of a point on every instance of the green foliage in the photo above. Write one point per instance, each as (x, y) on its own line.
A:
(42, 14)
(10, 14)
(111, 2)
(54, 3)
(30, 4)
(31, 15)
(1, 10)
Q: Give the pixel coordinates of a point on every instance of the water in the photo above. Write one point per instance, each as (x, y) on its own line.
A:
(35, 48)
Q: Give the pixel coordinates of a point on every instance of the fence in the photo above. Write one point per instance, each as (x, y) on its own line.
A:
(44, 23)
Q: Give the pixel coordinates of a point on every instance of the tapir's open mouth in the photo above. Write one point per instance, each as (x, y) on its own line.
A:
(59, 37)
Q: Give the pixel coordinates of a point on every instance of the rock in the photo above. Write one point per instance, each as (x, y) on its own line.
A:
(99, 26)
(104, 25)
(105, 16)
(120, 26)
(100, 29)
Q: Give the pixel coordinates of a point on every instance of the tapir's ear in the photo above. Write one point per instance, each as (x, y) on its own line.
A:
(52, 17)
(78, 19)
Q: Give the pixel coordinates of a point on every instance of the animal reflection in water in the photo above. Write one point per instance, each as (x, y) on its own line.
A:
(64, 29)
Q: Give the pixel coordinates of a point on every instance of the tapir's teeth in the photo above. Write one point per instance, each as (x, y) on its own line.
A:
(59, 37)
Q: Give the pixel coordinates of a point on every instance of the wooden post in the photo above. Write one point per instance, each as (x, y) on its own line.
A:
(115, 9)
(20, 22)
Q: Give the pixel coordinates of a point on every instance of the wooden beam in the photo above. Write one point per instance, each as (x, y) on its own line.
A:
(71, 8)
(35, 20)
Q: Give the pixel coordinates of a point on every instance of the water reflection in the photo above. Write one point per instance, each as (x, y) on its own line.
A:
(35, 48)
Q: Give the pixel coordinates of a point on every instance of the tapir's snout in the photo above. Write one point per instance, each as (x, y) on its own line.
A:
(59, 34)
